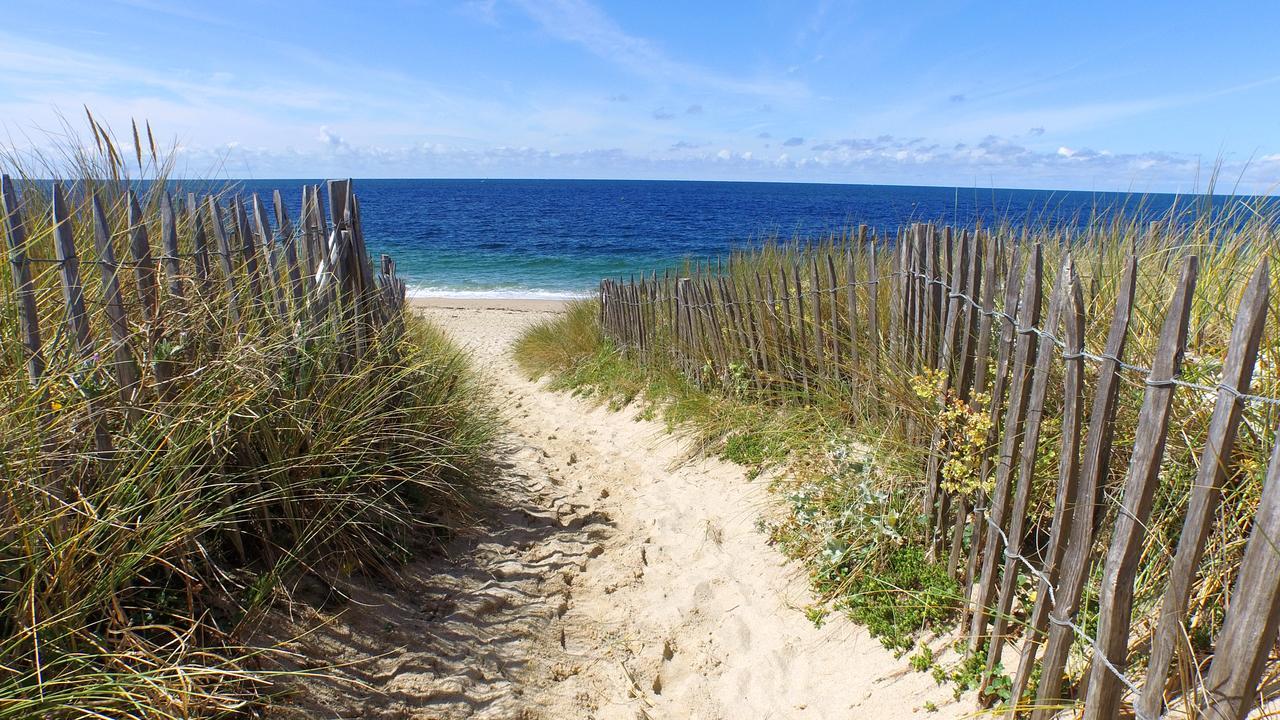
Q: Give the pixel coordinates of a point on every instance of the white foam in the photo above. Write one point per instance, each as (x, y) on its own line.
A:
(494, 294)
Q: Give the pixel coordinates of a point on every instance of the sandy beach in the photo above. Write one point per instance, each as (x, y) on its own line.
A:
(614, 578)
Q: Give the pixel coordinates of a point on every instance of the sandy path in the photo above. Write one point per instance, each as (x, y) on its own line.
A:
(611, 581)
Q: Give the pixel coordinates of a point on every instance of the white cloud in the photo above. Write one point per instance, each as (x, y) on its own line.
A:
(331, 138)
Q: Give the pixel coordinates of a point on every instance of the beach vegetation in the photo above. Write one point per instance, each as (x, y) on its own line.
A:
(131, 580)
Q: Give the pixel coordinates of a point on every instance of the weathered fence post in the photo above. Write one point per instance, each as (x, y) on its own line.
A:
(297, 281)
(1248, 633)
(169, 240)
(998, 385)
(223, 247)
(199, 245)
(1093, 469)
(1068, 476)
(873, 301)
(1019, 392)
(267, 239)
(24, 286)
(1026, 469)
(144, 265)
(249, 252)
(126, 371)
(973, 366)
(819, 335)
(77, 319)
(1237, 373)
(934, 498)
(1115, 600)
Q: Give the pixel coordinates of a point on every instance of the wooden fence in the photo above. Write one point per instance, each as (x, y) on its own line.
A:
(968, 307)
(218, 264)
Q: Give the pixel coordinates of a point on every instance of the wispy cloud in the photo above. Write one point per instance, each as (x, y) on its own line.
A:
(182, 11)
(38, 80)
(582, 23)
(977, 118)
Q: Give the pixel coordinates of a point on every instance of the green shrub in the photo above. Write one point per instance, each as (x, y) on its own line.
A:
(905, 596)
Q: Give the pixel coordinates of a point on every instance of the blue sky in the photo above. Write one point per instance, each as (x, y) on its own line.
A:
(1083, 95)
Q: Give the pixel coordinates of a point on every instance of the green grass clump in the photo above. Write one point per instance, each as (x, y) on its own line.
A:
(130, 581)
(560, 343)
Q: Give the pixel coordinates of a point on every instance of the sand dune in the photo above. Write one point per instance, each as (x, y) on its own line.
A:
(612, 579)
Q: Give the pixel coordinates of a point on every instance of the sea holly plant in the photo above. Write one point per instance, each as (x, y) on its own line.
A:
(87, 378)
(843, 516)
(166, 350)
(866, 509)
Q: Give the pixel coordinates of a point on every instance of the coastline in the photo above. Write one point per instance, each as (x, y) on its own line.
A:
(523, 305)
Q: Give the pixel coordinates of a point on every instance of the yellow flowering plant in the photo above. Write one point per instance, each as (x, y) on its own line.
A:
(966, 426)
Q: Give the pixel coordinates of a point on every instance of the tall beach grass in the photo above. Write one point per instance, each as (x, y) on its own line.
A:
(130, 580)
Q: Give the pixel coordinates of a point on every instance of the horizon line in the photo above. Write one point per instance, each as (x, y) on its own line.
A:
(1275, 193)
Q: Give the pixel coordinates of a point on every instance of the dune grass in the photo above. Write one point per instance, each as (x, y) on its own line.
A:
(854, 446)
(129, 583)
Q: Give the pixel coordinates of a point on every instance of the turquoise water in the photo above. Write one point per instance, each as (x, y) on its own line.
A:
(557, 238)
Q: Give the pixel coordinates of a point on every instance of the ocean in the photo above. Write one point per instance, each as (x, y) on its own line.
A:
(557, 238)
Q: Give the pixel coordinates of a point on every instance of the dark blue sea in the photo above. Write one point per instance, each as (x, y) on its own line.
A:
(548, 238)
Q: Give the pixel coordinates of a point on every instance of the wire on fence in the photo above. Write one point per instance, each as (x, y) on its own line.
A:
(1000, 314)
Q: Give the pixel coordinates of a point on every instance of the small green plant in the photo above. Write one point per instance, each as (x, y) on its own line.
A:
(964, 675)
(922, 660)
(999, 686)
(902, 597)
(739, 378)
(970, 674)
(816, 614)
